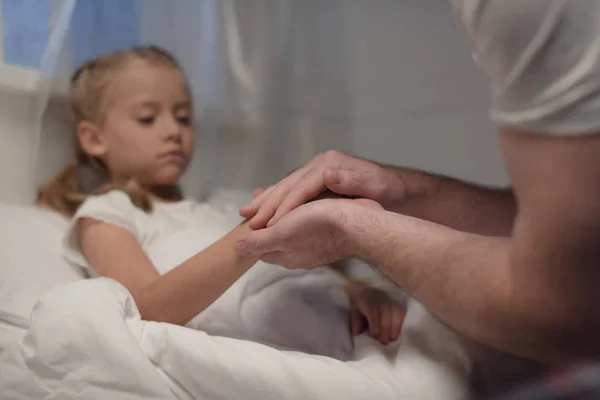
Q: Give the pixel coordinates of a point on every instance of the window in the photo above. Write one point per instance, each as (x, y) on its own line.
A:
(101, 26)
(25, 31)
(97, 26)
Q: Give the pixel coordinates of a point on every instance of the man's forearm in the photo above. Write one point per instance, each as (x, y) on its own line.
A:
(459, 205)
(468, 281)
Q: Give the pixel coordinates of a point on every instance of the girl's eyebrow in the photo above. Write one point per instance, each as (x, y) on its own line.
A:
(142, 104)
(154, 104)
(184, 104)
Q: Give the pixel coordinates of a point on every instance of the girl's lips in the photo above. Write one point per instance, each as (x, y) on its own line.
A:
(173, 156)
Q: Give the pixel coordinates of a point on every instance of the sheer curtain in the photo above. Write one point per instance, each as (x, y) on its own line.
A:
(268, 79)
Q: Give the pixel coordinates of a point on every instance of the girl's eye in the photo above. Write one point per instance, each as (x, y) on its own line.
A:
(146, 120)
(184, 120)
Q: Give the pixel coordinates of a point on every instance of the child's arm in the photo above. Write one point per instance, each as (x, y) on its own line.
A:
(180, 294)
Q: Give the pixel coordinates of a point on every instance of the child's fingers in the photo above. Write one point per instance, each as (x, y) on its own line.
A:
(374, 321)
(397, 321)
(357, 322)
(386, 323)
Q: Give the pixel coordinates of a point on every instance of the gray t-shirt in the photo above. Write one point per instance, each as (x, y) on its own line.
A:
(542, 58)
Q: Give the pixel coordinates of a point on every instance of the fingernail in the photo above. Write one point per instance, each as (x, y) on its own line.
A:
(334, 176)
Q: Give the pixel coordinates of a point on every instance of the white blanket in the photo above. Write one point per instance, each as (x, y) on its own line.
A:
(86, 340)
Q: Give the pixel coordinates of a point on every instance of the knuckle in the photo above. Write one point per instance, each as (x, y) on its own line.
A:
(379, 184)
(332, 157)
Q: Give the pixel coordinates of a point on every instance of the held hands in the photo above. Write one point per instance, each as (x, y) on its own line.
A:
(373, 310)
(334, 171)
(315, 232)
(312, 235)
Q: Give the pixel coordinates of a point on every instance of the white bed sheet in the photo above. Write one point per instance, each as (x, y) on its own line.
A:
(86, 340)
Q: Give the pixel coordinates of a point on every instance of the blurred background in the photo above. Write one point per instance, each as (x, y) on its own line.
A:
(275, 82)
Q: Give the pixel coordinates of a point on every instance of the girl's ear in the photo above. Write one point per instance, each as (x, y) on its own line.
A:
(90, 139)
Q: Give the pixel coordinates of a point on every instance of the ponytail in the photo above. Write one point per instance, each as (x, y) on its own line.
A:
(64, 193)
(61, 193)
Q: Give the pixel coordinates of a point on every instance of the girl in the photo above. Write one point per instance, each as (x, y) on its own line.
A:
(133, 138)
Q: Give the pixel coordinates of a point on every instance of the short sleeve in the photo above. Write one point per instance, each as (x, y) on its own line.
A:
(542, 58)
(113, 208)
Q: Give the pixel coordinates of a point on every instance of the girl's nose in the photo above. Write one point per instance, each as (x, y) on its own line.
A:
(173, 130)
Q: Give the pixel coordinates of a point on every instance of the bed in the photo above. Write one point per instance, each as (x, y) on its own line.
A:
(65, 336)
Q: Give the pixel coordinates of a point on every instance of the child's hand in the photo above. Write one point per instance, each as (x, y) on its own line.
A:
(374, 309)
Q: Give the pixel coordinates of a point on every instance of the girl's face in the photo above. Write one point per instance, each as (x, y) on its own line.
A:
(147, 130)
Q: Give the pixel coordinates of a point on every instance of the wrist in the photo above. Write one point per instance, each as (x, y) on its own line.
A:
(237, 234)
(358, 228)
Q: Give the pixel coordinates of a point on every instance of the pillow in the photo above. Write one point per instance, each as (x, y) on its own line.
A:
(31, 263)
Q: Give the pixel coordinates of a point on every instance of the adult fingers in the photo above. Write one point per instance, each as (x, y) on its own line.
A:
(313, 184)
(365, 183)
(343, 181)
(257, 192)
(249, 210)
(257, 243)
(265, 205)
(306, 188)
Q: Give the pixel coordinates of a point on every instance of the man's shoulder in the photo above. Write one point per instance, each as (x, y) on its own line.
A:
(540, 57)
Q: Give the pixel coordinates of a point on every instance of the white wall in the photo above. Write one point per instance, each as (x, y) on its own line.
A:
(16, 127)
(20, 169)
(406, 79)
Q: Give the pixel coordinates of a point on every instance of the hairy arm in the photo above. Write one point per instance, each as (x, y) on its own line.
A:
(177, 296)
(459, 205)
(533, 294)
(436, 198)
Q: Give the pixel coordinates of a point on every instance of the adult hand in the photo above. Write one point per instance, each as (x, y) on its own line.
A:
(312, 235)
(338, 172)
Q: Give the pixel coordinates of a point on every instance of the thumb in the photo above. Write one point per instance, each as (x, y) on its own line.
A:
(348, 182)
(257, 243)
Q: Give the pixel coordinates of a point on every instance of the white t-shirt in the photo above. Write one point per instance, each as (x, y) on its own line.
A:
(542, 58)
(149, 229)
(298, 310)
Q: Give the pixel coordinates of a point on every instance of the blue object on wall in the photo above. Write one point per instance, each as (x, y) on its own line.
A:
(104, 25)
(25, 31)
(97, 26)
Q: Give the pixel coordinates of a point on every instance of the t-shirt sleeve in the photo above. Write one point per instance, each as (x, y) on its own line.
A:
(113, 208)
(542, 58)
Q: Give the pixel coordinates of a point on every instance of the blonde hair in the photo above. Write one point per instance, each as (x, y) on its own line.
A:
(87, 175)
